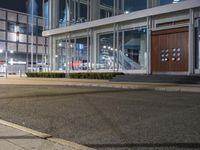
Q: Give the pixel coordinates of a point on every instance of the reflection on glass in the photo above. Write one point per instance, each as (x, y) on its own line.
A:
(72, 55)
(106, 8)
(164, 2)
(46, 14)
(60, 55)
(106, 52)
(134, 5)
(80, 61)
(78, 11)
(197, 52)
(62, 13)
(135, 48)
(130, 55)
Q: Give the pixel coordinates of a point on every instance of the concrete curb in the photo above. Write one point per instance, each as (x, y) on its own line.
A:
(28, 130)
(168, 87)
(46, 136)
(69, 144)
(136, 87)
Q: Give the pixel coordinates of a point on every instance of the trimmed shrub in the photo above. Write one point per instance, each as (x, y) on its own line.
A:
(80, 75)
(95, 75)
(46, 75)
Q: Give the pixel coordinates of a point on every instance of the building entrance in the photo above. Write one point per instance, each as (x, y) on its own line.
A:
(170, 51)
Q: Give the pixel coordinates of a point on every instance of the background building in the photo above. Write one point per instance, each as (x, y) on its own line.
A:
(133, 36)
(15, 42)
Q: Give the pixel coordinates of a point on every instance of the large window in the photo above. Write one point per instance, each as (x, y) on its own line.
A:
(135, 49)
(23, 28)
(197, 44)
(11, 26)
(164, 2)
(62, 13)
(60, 55)
(110, 8)
(81, 54)
(71, 55)
(106, 8)
(46, 14)
(127, 50)
(134, 5)
(105, 55)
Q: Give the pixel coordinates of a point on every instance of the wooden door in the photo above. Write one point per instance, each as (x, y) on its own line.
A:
(170, 51)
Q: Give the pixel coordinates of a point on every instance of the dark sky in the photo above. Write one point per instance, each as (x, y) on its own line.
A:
(19, 5)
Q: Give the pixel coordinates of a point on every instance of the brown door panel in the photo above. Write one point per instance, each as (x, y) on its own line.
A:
(170, 50)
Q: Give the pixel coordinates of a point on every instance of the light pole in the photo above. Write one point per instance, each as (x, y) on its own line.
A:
(6, 61)
(32, 19)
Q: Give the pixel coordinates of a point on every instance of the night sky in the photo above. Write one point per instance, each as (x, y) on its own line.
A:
(19, 5)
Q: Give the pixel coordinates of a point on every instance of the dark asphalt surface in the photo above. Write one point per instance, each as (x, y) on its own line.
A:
(105, 118)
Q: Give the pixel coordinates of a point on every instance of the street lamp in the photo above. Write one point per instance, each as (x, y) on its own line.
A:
(6, 60)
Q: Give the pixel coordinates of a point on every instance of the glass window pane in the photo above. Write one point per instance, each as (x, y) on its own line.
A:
(106, 8)
(83, 13)
(105, 54)
(135, 49)
(164, 2)
(62, 13)
(46, 14)
(197, 43)
(81, 53)
(134, 5)
(60, 56)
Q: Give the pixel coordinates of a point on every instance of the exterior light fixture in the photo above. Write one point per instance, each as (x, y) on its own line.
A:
(175, 1)
(127, 12)
(104, 46)
(1, 50)
(60, 44)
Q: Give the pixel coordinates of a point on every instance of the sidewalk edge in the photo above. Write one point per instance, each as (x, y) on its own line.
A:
(45, 136)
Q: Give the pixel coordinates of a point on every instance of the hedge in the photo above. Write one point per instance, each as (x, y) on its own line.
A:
(81, 75)
(95, 75)
(46, 75)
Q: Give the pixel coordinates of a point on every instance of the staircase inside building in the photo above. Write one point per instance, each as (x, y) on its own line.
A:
(182, 79)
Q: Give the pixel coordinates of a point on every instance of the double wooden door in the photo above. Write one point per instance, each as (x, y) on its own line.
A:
(170, 51)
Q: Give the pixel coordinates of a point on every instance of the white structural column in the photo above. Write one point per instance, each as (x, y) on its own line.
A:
(67, 50)
(143, 51)
(95, 48)
(123, 52)
(91, 49)
(55, 13)
(114, 47)
(149, 26)
(50, 38)
(88, 48)
(191, 43)
(117, 46)
(95, 9)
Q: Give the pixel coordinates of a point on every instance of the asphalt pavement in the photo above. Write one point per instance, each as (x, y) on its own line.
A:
(106, 118)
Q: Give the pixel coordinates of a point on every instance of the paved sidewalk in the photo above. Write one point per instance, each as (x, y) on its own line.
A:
(102, 83)
(12, 138)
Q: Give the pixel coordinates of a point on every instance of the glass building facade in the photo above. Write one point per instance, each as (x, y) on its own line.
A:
(70, 12)
(17, 43)
(117, 35)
